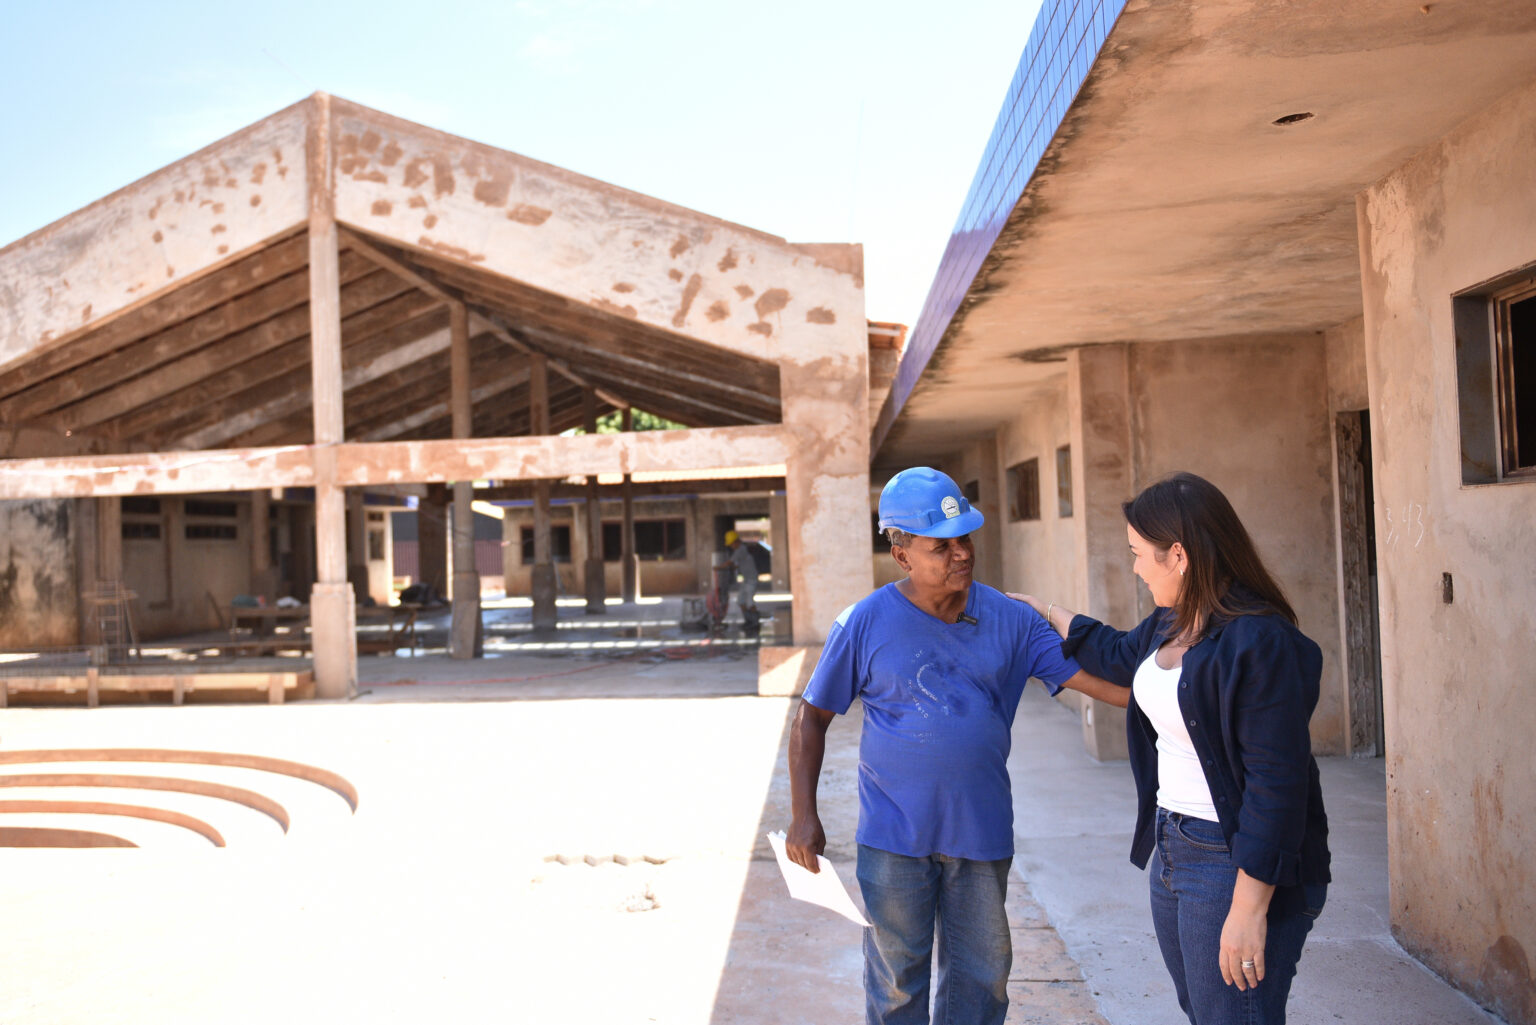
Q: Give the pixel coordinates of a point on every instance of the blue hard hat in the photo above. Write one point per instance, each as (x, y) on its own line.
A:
(927, 503)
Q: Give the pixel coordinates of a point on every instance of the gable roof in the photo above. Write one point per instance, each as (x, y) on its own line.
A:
(173, 314)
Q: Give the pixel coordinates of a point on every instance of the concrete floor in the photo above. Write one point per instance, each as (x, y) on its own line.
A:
(1073, 820)
(579, 839)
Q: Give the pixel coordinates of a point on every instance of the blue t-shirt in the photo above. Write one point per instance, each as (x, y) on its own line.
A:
(939, 700)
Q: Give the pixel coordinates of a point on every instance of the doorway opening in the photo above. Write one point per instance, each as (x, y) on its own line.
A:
(1357, 544)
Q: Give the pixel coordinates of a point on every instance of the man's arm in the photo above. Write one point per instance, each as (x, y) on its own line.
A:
(807, 745)
(1101, 689)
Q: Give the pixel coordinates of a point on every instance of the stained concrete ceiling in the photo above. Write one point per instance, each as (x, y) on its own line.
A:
(1170, 205)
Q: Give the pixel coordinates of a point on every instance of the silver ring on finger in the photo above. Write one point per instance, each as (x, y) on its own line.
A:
(1248, 964)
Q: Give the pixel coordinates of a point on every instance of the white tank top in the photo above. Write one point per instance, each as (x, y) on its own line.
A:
(1181, 785)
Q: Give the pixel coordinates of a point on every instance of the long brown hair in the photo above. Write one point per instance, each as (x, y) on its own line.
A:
(1226, 577)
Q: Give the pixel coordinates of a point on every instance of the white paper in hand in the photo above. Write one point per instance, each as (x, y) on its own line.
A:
(822, 888)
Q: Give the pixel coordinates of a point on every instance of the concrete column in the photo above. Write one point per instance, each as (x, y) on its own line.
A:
(545, 586)
(357, 544)
(263, 580)
(826, 406)
(466, 637)
(1103, 476)
(629, 561)
(596, 587)
(332, 612)
(87, 571)
(432, 538)
(109, 538)
(989, 484)
(778, 539)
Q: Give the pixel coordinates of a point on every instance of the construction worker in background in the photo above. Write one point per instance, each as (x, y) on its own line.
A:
(939, 664)
(745, 567)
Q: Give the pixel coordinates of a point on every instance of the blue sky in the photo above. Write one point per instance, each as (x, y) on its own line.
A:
(837, 121)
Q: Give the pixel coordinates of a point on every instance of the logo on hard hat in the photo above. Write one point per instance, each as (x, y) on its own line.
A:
(950, 506)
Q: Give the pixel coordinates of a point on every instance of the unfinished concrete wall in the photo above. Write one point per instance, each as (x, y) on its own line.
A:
(978, 464)
(182, 584)
(153, 235)
(1457, 676)
(1344, 346)
(1038, 553)
(38, 589)
(1250, 415)
(688, 575)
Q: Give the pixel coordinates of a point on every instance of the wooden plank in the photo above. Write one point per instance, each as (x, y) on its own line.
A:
(429, 282)
(412, 403)
(199, 417)
(285, 394)
(260, 352)
(123, 381)
(266, 424)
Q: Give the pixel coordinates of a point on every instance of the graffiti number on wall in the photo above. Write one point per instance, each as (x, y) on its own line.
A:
(1405, 524)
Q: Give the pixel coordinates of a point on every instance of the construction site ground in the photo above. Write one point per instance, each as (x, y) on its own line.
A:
(576, 835)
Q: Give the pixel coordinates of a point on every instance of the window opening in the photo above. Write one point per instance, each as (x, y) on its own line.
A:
(1064, 481)
(1024, 490)
(559, 543)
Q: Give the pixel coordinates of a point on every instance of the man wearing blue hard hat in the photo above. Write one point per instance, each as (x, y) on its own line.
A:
(939, 663)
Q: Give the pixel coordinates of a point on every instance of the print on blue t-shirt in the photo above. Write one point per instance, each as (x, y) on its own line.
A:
(939, 700)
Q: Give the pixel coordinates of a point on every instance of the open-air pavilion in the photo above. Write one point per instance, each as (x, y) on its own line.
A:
(337, 302)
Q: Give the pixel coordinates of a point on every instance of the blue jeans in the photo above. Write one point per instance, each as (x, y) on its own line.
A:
(910, 901)
(1191, 877)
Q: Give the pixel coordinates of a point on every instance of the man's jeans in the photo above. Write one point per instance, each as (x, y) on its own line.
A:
(1191, 877)
(911, 899)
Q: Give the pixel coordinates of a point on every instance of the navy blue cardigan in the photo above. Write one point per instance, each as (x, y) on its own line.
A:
(1247, 691)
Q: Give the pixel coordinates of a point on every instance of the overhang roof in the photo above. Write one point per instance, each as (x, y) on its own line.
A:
(174, 314)
(1168, 204)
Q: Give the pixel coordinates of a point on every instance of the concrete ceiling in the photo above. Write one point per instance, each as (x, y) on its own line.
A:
(1171, 206)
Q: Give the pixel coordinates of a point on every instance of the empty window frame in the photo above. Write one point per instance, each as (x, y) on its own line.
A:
(204, 507)
(1064, 481)
(654, 539)
(559, 543)
(1024, 491)
(1496, 380)
(201, 510)
(661, 539)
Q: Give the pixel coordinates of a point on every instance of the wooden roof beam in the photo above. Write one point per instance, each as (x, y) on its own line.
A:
(287, 395)
(129, 385)
(243, 384)
(282, 256)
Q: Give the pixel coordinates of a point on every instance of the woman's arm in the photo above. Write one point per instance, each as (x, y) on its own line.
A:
(1100, 689)
(1057, 615)
(1272, 675)
(1244, 932)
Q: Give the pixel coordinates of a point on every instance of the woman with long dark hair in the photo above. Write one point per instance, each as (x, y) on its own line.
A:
(1219, 685)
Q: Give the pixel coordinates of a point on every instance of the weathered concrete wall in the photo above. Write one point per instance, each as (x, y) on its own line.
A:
(979, 462)
(1038, 553)
(1345, 348)
(1251, 416)
(1457, 677)
(153, 235)
(689, 575)
(38, 590)
(176, 580)
(629, 254)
